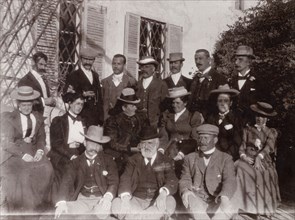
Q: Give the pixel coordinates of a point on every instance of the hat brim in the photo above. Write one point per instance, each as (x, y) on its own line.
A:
(128, 101)
(178, 96)
(148, 62)
(256, 109)
(14, 95)
(149, 137)
(173, 60)
(245, 55)
(103, 140)
(231, 92)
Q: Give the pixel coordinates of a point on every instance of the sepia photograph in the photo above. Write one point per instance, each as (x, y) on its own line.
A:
(147, 109)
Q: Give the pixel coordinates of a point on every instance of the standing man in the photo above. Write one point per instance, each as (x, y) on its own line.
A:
(208, 179)
(205, 81)
(94, 177)
(244, 81)
(113, 85)
(86, 82)
(148, 183)
(35, 79)
(151, 91)
(175, 78)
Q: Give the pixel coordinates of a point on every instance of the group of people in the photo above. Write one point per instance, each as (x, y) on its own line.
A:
(142, 149)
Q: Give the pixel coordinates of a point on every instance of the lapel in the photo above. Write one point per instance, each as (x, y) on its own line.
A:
(98, 171)
(200, 163)
(83, 78)
(183, 117)
(17, 123)
(65, 127)
(34, 81)
(213, 159)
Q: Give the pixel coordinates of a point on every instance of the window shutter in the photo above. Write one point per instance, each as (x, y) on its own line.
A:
(174, 41)
(48, 41)
(131, 43)
(94, 33)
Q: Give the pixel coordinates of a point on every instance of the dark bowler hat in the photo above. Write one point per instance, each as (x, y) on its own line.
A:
(264, 109)
(244, 50)
(147, 60)
(88, 52)
(128, 96)
(95, 134)
(175, 57)
(25, 93)
(208, 129)
(148, 133)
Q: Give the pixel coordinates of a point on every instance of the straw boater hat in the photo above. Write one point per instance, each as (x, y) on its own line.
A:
(147, 133)
(147, 60)
(175, 57)
(25, 93)
(245, 51)
(264, 109)
(95, 134)
(177, 92)
(224, 89)
(88, 52)
(128, 96)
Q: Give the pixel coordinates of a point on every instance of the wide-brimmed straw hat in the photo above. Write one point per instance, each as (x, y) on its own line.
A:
(128, 96)
(244, 50)
(264, 109)
(177, 92)
(147, 60)
(175, 57)
(95, 134)
(25, 93)
(88, 52)
(224, 89)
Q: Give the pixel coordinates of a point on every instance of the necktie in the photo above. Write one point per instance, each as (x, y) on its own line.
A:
(207, 156)
(149, 164)
(78, 118)
(30, 126)
(242, 77)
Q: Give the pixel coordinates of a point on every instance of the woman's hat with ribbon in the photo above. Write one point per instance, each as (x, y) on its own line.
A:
(263, 109)
(128, 96)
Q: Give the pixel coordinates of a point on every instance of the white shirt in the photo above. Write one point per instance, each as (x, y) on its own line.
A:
(41, 82)
(175, 77)
(75, 130)
(177, 115)
(24, 123)
(117, 78)
(88, 74)
(204, 72)
(224, 114)
(152, 159)
(206, 161)
(241, 82)
(147, 81)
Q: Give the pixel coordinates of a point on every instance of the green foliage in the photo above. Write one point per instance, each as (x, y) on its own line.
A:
(269, 29)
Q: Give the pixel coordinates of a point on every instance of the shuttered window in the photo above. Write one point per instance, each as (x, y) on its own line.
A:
(148, 37)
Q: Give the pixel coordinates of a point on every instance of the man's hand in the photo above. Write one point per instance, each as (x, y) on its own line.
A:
(258, 164)
(61, 208)
(161, 150)
(161, 200)
(38, 156)
(74, 145)
(28, 158)
(185, 196)
(225, 205)
(49, 101)
(179, 156)
(28, 140)
(88, 94)
(247, 159)
(125, 203)
(106, 202)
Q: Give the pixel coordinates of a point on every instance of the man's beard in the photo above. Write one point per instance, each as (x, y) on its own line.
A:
(147, 153)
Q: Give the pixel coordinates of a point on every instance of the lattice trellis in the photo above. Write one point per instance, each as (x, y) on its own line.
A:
(153, 41)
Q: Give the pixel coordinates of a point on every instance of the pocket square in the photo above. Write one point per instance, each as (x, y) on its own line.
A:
(228, 127)
(104, 173)
(252, 89)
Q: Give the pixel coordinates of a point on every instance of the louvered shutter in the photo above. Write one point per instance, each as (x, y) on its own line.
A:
(48, 43)
(94, 33)
(131, 43)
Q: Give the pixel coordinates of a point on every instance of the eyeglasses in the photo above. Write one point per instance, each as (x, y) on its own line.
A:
(223, 101)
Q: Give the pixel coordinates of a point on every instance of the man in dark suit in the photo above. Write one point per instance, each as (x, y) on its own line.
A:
(244, 81)
(148, 183)
(205, 80)
(151, 91)
(175, 78)
(35, 79)
(208, 178)
(94, 177)
(86, 81)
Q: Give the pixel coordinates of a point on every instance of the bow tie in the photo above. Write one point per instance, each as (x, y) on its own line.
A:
(78, 118)
(207, 156)
(200, 75)
(243, 77)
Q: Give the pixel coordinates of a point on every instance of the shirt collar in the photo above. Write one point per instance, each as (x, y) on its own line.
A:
(210, 151)
(152, 159)
(118, 76)
(72, 114)
(89, 157)
(223, 114)
(85, 70)
(207, 70)
(36, 74)
(246, 73)
(148, 79)
(180, 113)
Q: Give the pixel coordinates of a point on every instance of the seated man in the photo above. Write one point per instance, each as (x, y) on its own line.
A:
(94, 177)
(123, 127)
(148, 183)
(26, 174)
(208, 178)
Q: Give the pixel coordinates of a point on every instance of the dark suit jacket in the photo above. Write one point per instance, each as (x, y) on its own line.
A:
(106, 177)
(163, 166)
(230, 133)
(156, 93)
(219, 174)
(93, 108)
(183, 81)
(60, 152)
(30, 80)
(12, 130)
